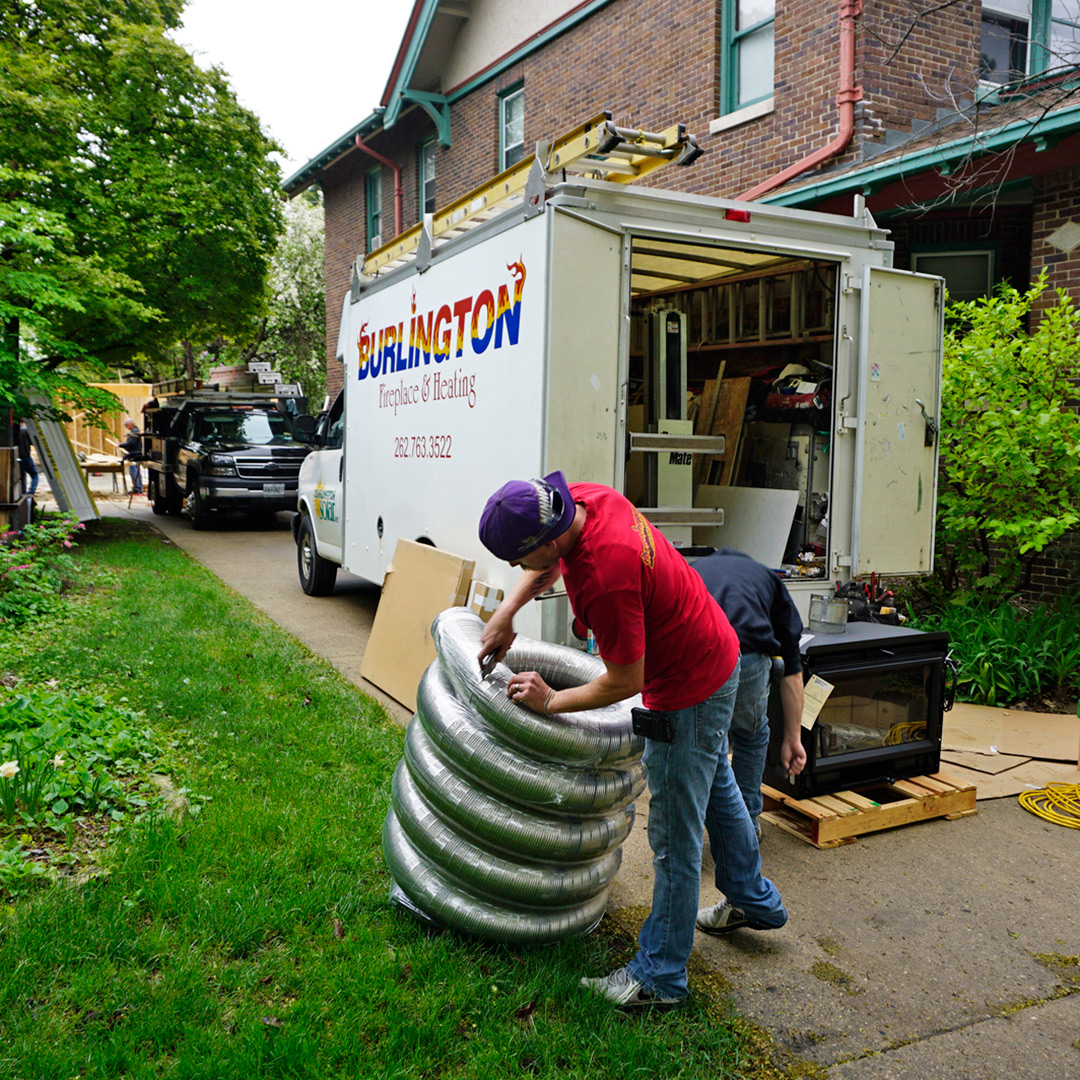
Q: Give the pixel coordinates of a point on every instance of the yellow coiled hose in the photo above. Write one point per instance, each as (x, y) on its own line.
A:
(1059, 803)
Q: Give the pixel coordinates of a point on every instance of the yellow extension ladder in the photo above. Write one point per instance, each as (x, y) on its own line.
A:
(597, 149)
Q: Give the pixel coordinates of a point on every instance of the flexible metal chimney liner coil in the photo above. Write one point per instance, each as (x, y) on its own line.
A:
(498, 828)
(593, 737)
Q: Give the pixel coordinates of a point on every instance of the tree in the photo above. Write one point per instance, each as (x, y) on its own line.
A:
(139, 206)
(295, 335)
(1010, 439)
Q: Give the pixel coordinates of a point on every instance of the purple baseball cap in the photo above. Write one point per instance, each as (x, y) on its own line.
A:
(524, 514)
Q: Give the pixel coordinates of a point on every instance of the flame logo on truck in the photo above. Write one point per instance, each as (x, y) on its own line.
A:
(488, 319)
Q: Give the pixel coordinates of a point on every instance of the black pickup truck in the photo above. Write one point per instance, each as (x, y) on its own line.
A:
(221, 451)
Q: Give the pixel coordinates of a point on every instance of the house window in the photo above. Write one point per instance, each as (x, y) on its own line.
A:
(511, 127)
(968, 274)
(748, 52)
(427, 178)
(1028, 37)
(373, 198)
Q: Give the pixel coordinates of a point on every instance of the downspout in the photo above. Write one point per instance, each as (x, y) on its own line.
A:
(397, 179)
(849, 93)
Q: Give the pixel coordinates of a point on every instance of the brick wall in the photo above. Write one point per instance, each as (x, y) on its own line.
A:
(1056, 204)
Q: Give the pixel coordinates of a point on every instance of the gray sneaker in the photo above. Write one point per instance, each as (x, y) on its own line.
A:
(721, 918)
(624, 991)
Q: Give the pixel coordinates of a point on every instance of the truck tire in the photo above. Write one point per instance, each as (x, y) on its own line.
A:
(158, 503)
(197, 506)
(317, 575)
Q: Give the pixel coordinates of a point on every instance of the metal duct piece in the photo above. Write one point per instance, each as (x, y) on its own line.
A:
(505, 824)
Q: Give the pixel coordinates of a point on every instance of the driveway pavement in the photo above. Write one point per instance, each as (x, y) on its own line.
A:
(946, 950)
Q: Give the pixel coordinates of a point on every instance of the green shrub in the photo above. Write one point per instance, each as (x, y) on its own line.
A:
(1008, 653)
(1010, 443)
(35, 568)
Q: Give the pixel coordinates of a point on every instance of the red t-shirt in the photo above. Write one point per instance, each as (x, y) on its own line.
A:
(640, 598)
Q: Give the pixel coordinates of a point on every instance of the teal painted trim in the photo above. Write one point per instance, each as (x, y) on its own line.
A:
(408, 66)
(308, 173)
(530, 47)
(437, 107)
(1057, 125)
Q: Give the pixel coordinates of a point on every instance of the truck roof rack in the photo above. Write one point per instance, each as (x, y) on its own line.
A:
(597, 149)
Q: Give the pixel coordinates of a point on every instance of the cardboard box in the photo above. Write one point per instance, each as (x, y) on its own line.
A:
(420, 583)
(485, 599)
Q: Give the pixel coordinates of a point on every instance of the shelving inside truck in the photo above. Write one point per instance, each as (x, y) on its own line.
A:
(739, 343)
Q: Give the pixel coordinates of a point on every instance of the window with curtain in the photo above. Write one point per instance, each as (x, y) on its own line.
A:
(747, 61)
(511, 127)
(373, 198)
(427, 177)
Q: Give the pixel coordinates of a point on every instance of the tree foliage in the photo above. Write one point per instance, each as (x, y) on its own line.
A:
(1010, 449)
(138, 205)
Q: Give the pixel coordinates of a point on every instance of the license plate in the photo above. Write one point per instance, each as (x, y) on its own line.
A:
(273, 489)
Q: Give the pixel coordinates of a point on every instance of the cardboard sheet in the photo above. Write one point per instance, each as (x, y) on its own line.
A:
(1049, 736)
(991, 764)
(421, 582)
(1027, 777)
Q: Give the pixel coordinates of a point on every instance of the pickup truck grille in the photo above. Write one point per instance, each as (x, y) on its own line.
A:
(268, 469)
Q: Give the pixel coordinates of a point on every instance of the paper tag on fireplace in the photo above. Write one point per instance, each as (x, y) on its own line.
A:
(815, 693)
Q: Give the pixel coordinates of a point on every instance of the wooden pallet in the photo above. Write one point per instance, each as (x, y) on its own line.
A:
(830, 820)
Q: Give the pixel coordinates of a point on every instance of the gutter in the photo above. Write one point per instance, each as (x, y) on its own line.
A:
(849, 93)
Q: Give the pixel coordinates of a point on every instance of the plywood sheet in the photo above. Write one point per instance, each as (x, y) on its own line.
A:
(727, 421)
(756, 520)
(1050, 736)
(421, 582)
(1028, 777)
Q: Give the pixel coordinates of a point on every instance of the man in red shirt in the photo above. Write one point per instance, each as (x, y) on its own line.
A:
(661, 634)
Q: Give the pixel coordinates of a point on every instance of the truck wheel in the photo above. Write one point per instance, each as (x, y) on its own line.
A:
(197, 508)
(157, 498)
(317, 575)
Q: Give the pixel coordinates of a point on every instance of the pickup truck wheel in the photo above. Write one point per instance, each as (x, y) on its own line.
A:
(158, 502)
(317, 575)
(197, 508)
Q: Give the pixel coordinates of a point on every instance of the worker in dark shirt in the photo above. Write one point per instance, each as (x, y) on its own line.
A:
(763, 616)
(27, 468)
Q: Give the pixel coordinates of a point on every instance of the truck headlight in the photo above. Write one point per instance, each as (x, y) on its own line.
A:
(222, 465)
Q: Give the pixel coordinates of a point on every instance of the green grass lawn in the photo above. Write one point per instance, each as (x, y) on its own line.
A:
(255, 938)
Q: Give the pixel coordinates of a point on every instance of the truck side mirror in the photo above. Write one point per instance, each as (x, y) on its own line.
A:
(304, 428)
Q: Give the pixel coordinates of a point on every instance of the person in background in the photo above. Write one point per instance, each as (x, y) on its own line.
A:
(132, 447)
(662, 635)
(27, 468)
(762, 614)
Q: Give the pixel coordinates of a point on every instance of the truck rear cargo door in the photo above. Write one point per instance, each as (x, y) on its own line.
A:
(898, 413)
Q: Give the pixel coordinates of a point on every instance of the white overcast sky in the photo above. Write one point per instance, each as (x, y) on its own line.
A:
(310, 70)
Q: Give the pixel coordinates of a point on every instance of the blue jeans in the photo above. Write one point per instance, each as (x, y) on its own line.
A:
(692, 789)
(28, 468)
(136, 477)
(750, 728)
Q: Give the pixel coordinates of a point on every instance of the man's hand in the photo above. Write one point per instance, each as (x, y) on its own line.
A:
(528, 689)
(497, 637)
(793, 755)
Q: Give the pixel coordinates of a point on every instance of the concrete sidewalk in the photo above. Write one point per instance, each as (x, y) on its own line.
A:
(946, 950)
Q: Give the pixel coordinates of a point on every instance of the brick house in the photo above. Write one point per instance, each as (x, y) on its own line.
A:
(960, 126)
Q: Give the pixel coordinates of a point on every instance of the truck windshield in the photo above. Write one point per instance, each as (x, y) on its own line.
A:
(256, 427)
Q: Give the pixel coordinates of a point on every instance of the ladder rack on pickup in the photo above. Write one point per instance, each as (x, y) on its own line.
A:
(597, 149)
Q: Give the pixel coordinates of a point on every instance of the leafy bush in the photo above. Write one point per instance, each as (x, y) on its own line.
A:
(35, 568)
(61, 755)
(1008, 653)
(1010, 444)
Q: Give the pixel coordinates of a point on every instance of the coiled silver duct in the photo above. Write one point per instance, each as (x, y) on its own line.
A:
(505, 824)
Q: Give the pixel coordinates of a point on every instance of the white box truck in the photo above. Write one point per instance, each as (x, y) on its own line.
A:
(582, 330)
